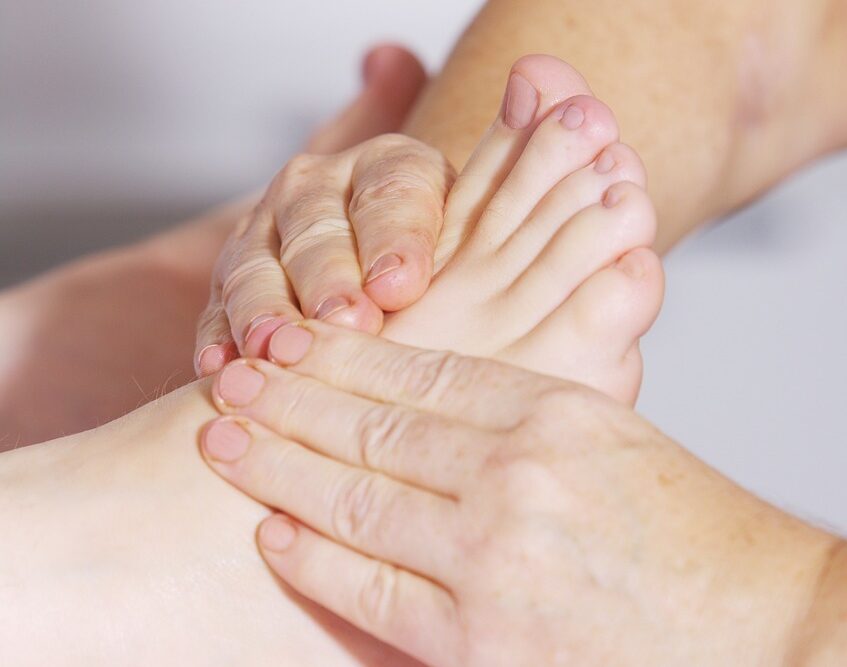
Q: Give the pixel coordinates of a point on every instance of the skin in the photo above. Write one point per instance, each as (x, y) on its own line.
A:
(129, 515)
(126, 517)
(537, 237)
(125, 528)
(729, 99)
(78, 337)
(548, 526)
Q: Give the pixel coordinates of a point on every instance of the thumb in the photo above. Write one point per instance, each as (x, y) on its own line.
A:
(393, 78)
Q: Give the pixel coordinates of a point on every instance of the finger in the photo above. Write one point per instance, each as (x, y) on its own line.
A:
(364, 510)
(317, 247)
(425, 450)
(402, 609)
(214, 346)
(255, 291)
(483, 393)
(399, 188)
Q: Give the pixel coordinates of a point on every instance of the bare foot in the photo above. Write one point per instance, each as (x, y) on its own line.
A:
(553, 271)
(124, 549)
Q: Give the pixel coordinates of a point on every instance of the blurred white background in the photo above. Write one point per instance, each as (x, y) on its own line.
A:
(119, 118)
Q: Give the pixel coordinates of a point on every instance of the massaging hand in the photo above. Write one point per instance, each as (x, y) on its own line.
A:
(473, 514)
(339, 237)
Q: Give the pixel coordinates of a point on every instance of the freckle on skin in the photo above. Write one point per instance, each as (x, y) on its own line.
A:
(665, 480)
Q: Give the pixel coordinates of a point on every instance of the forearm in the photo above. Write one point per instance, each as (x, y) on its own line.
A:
(720, 99)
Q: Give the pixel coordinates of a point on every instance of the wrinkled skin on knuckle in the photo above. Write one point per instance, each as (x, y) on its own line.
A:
(428, 376)
(399, 188)
(297, 171)
(382, 429)
(354, 506)
(377, 597)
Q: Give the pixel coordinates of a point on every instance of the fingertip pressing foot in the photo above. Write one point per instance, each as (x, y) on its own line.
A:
(212, 358)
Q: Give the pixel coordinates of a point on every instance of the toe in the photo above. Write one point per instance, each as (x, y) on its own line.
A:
(570, 138)
(599, 326)
(594, 238)
(617, 163)
(536, 85)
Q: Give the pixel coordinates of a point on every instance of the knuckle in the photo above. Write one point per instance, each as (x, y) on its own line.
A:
(245, 275)
(394, 188)
(354, 507)
(295, 171)
(429, 376)
(377, 597)
(383, 429)
(389, 142)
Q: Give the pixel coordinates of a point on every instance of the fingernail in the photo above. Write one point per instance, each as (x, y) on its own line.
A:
(239, 384)
(290, 344)
(276, 534)
(211, 359)
(259, 333)
(329, 306)
(573, 117)
(520, 102)
(383, 265)
(611, 198)
(605, 163)
(225, 441)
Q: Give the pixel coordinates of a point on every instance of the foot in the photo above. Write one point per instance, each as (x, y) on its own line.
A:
(125, 549)
(553, 270)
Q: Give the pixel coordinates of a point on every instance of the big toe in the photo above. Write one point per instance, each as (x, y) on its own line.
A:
(535, 85)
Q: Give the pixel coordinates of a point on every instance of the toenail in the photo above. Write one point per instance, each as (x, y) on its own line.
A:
(520, 103)
(573, 117)
(239, 384)
(211, 359)
(605, 163)
(290, 344)
(382, 266)
(277, 533)
(259, 332)
(612, 198)
(225, 441)
(632, 267)
(329, 306)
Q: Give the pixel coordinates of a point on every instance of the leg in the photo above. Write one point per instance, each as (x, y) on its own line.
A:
(721, 99)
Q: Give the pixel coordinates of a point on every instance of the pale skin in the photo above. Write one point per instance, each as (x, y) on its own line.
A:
(513, 267)
(128, 515)
(832, 594)
(548, 526)
(121, 528)
(728, 99)
(740, 94)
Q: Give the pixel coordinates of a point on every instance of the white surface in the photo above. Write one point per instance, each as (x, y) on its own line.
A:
(117, 118)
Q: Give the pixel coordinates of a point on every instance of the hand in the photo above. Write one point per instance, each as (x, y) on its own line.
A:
(473, 514)
(338, 237)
